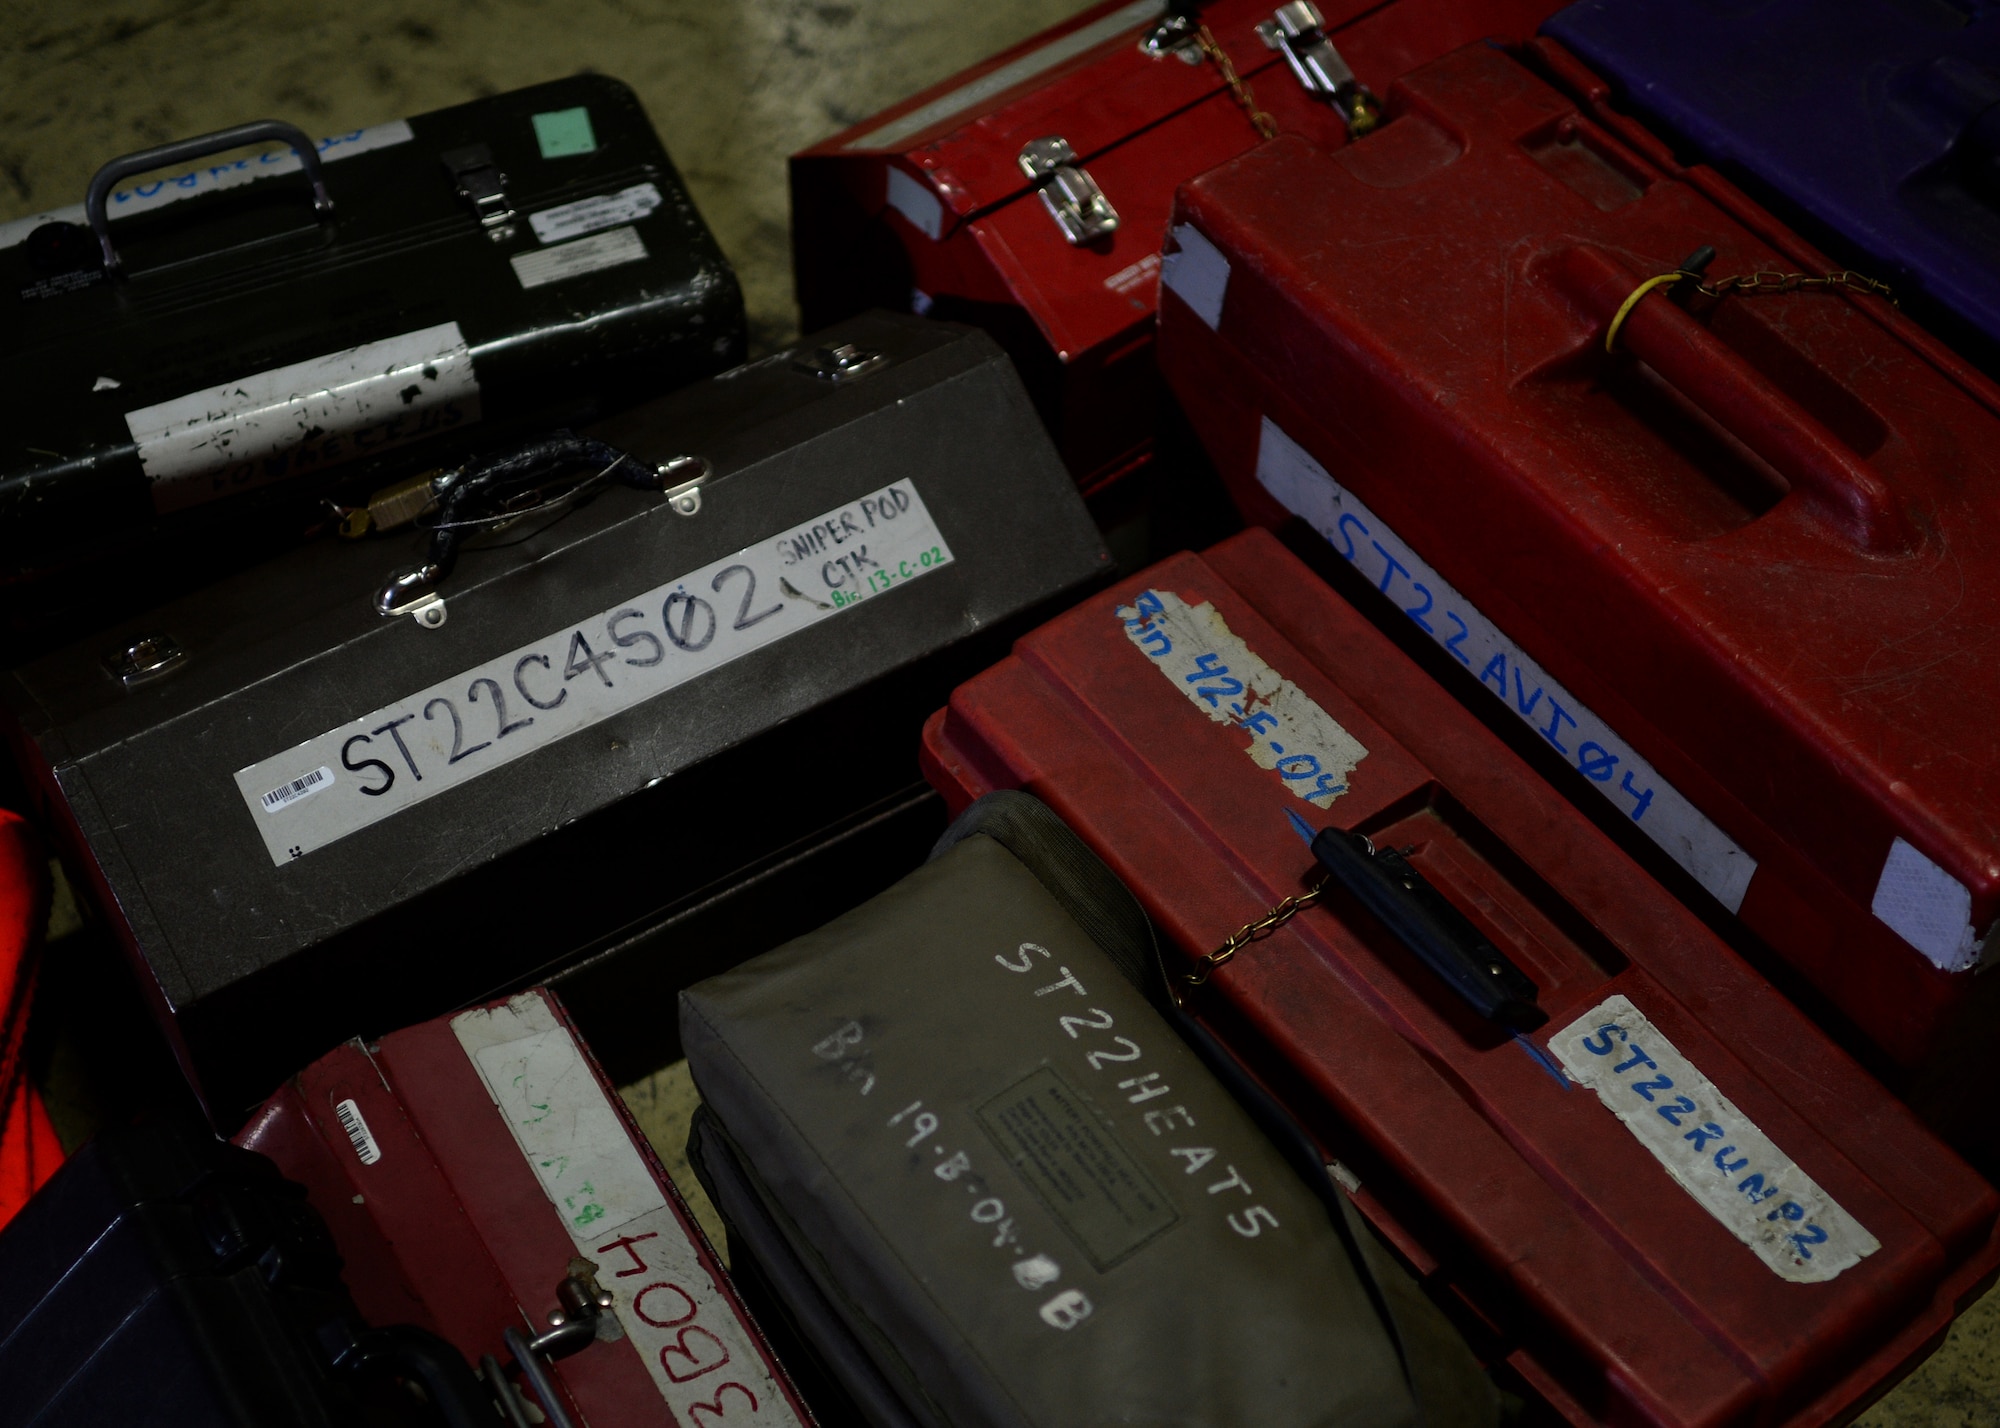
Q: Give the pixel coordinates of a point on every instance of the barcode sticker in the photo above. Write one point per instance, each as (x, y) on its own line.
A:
(304, 786)
(356, 1126)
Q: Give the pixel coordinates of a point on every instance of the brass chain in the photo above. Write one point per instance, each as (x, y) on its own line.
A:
(1748, 284)
(1263, 123)
(1744, 284)
(1250, 932)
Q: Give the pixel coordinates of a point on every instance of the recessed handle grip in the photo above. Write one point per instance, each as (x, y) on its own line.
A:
(183, 151)
(1443, 938)
(1842, 487)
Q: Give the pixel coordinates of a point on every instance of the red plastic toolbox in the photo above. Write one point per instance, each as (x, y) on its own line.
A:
(477, 1171)
(926, 206)
(1195, 721)
(1736, 571)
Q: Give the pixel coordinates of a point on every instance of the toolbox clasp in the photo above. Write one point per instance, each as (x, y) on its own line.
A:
(483, 186)
(1298, 31)
(1071, 195)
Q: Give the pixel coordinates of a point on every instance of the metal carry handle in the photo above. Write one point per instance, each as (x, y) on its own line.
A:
(1426, 923)
(1742, 400)
(200, 147)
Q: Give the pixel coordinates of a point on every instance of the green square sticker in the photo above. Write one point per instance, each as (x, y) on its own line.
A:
(565, 132)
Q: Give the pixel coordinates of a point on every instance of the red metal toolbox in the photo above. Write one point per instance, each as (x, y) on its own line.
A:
(483, 1181)
(1734, 570)
(1195, 723)
(929, 206)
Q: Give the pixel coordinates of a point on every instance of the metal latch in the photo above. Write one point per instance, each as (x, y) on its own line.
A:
(1298, 31)
(841, 364)
(147, 658)
(572, 1326)
(1071, 196)
(414, 592)
(483, 186)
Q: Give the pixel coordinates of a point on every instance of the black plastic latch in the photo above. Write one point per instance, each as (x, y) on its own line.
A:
(482, 185)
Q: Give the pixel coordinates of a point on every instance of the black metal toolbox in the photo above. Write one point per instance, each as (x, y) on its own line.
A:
(314, 821)
(209, 344)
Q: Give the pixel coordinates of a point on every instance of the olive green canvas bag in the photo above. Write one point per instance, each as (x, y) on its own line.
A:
(981, 1162)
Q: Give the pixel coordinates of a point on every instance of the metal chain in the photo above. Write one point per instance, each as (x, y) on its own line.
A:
(1256, 931)
(1742, 284)
(1263, 123)
(1748, 284)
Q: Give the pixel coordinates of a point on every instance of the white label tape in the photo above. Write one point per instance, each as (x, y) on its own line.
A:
(577, 257)
(1303, 487)
(587, 215)
(1198, 272)
(325, 410)
(151, 193)
(1202, 657)
(484, 718)
(1709, 1147)
(1031, 65)
(1928, 908)
(696, 1349)
(909, 197)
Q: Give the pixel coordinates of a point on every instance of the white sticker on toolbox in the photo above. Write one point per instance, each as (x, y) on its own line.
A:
(587, 215)
(1710, 1147)
(543, 266)
(366, 1148)
(151, 193)
(1302, 486)
(1198, 272)
(1928, 908)
(491, 714)
(684, 1328)
(1203, 658)
(1035, 62)
(270, 425)
(910, 198)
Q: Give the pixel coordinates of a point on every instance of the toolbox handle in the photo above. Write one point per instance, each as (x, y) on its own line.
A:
(1749, 406)
(1424, 921)
(181, 151)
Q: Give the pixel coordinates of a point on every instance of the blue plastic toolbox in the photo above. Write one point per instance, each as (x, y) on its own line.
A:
(1872, 124)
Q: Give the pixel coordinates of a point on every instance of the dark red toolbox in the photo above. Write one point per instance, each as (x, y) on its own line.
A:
(1028, 194)
(482, 1181)
(1735, 570)
(1768, 1238)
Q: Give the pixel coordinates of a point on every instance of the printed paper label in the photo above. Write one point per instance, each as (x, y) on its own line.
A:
(1201, 657)
(582, 255)
(1709, 1147)
(1302, 486)
(587, 215)
(151, 193)
(705, 1363)
(319, 412)
(485, 717)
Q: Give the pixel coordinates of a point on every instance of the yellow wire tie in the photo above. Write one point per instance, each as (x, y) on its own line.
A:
(1625, 307)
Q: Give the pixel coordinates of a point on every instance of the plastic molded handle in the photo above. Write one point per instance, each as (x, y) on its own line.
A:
(1442, 936)
(182, 151)
(1744, 402)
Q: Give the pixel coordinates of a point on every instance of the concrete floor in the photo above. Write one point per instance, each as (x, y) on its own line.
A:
(733, 87)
